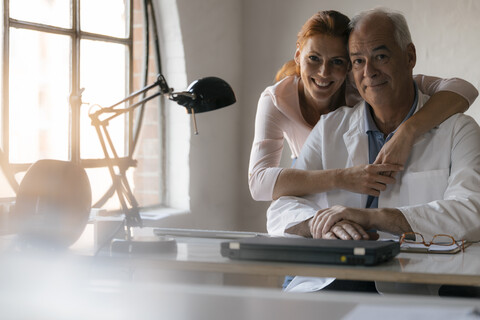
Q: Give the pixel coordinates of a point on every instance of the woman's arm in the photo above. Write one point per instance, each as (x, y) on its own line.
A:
(431, 85)
(367, 179)
(266, 150)
(448, 97)
(267, 181)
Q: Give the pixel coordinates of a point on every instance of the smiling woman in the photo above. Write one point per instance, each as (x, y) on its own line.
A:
(324, 63)
(317, 82)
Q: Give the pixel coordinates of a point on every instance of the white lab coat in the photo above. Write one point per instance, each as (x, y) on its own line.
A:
(438, 192)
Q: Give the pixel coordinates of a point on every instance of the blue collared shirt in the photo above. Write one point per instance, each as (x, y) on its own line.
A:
(376, 139)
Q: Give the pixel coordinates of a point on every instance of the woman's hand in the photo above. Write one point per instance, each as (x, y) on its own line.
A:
(397, 149)
(369, 179)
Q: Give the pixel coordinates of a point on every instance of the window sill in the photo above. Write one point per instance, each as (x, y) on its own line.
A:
(151, 217)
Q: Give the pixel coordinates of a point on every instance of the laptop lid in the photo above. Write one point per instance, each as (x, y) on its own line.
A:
(348, 252)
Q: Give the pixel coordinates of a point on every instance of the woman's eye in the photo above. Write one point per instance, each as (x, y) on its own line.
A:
(314, 58)
(337, 62)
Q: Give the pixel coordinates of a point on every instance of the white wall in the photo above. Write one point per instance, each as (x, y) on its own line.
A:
(211, 33)
(246, 41)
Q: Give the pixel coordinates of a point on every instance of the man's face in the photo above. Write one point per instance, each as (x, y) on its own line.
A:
(381, 69)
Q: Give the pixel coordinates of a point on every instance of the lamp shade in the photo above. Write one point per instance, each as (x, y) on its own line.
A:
(210, 93)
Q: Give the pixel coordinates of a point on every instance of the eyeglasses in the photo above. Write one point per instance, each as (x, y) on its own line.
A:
(437, 240)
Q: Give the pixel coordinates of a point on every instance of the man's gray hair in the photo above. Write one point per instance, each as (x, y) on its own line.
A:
(401, 31)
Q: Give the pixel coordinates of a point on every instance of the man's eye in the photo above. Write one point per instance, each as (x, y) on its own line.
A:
(357, 61)
(381, 57)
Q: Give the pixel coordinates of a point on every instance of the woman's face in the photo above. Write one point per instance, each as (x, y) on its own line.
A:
(324, 64)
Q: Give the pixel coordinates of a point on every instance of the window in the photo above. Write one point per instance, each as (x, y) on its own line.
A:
(60, 59)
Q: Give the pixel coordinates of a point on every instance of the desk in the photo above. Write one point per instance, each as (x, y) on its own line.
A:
(77, 286)
(65, 295)
(203, 255)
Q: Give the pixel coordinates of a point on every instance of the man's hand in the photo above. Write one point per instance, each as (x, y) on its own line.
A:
(324, 220)
(368, 179)
(348, 230)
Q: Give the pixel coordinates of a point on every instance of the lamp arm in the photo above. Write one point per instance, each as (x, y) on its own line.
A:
(161, 83)
(120, 183)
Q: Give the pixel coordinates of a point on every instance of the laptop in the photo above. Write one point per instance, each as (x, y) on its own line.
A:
(322, 251)
(198, 233)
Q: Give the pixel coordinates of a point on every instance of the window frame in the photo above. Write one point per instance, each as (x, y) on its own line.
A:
(76, 35)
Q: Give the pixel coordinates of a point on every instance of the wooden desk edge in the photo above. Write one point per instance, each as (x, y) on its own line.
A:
(283, 269)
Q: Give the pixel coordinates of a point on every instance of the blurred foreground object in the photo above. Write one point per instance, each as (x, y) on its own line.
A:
(53, 204)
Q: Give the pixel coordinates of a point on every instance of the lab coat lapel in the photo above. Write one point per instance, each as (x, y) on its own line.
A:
(356, 143)
(356, 139)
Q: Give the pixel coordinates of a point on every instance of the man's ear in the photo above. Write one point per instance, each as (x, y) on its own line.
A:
(412, 55)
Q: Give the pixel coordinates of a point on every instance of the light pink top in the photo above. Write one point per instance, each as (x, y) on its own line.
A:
(279, 117)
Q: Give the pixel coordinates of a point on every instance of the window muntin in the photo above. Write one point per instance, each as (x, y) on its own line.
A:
(116, 70)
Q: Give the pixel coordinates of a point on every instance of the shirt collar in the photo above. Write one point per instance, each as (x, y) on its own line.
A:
(370, 123)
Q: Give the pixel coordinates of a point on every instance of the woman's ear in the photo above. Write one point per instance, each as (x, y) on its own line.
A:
(297, 55)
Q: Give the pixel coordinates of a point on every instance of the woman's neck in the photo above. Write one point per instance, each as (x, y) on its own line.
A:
(312, 110)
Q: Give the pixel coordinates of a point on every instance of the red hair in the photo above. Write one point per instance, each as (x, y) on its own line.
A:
(330, 22)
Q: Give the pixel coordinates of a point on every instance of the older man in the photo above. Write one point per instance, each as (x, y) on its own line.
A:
(439, 190)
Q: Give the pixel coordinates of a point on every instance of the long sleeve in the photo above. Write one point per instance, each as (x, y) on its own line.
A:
(430, 85)
(278, 119)
(458, 213)
(266, 150)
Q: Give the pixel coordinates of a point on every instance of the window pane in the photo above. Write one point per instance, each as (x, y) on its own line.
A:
(52, 12)
(39, 90)
(104, 17)
(103, 75)
(100, 182)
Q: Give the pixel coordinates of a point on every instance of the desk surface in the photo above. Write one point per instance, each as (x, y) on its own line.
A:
(203, 254)
(65, 286)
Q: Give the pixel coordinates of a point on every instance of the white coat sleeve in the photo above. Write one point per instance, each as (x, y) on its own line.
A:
(458, 213)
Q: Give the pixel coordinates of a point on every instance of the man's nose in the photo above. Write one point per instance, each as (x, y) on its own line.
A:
(369, 70)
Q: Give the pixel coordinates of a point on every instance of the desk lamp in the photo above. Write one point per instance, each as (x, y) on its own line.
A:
(206, 94)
